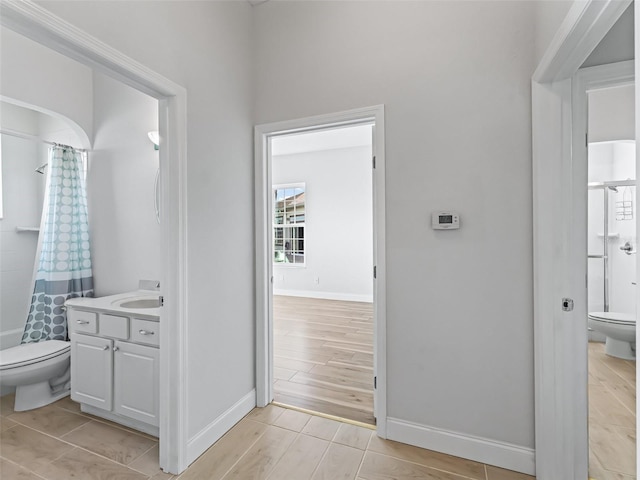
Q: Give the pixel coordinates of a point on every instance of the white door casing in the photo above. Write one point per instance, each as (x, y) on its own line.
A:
(264, 254)
(560, 253)
(40, 25)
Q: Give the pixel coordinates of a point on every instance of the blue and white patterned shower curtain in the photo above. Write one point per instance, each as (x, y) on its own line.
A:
(63, 261)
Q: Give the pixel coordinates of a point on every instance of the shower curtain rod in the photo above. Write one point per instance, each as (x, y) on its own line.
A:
(35, 138)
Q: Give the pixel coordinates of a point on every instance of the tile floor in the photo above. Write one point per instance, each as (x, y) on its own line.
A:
(58, 442)
(273, 443)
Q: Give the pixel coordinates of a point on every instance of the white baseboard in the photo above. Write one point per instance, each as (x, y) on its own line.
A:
(11, 338)
(122, 420)
(491, 452)
(210, 434)
(346, 297)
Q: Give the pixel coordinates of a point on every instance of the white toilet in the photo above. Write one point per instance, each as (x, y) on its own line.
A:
(39, 371)
(620, 330)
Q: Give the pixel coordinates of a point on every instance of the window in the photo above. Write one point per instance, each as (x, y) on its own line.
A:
(288, 224)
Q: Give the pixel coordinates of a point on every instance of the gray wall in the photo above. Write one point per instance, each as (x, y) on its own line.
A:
(549, 15)
(455, 81)
(617, 45)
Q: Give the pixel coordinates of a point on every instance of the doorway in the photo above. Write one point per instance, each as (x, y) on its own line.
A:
(611, 274)
(322, 271)
(37, 24)
(286, 251)
(560, 247)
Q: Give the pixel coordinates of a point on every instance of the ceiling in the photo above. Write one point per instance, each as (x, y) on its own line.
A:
(328, 139)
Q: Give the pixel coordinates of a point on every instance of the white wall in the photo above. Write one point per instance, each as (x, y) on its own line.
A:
(206, 47)
(611, 114)
(22, 204)
(338, 224)
(33, 75)
(125, 236)
(455, 81)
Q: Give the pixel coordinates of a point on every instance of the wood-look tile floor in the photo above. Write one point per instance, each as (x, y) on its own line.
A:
(323, 356)
(612, 417)
(58, 442)
(273, 443)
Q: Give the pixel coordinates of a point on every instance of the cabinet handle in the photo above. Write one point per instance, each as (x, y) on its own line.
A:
(145, 332)
(106, 347)
(115, 349)
(82, 322)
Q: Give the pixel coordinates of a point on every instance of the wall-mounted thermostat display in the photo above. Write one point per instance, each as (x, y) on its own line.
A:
(445, 220)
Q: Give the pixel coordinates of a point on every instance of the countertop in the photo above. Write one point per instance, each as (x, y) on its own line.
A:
(109, 304)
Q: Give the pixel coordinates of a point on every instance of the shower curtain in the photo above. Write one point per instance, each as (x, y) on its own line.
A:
(63, 261)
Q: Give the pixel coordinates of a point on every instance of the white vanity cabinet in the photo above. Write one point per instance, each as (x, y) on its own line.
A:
(115, 366)
(92, 371)
(135, 381)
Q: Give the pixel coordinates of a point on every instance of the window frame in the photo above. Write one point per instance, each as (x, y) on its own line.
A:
(290, 226)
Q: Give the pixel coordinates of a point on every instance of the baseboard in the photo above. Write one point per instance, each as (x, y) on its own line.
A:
(127, 422)
(345, 297)
(210, 434)
(491, 452)
(11, 338)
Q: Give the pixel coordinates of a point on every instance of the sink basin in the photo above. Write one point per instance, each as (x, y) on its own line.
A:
(144, 302)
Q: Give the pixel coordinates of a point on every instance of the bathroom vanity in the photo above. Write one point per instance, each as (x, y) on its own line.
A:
(115, 355)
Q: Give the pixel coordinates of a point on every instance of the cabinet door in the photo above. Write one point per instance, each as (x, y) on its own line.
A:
(136, 377)
(92, 371)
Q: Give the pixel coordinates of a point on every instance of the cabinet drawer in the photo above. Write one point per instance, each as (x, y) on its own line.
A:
(145, 331)
(83, 322)
(114, 326)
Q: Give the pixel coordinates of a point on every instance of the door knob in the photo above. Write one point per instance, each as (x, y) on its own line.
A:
(627, 248)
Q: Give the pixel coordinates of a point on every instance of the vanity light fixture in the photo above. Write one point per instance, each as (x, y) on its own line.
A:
(155, 138)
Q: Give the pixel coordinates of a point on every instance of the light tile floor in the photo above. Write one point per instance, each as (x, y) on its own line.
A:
(273, 443)
(58, 442)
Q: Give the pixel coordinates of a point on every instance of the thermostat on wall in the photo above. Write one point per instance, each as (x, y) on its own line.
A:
(445, 220)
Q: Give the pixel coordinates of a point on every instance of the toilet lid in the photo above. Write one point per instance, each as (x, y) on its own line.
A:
(31, 352)
(614, 317)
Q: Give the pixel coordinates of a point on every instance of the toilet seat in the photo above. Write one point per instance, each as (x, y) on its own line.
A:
(29, 353)
(615, 318)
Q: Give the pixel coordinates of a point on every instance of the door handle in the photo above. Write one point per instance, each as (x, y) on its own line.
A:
(627, 248)
(145, 332)
(82, 322)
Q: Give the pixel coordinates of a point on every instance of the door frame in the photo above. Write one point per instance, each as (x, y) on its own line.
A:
(559, 242)
(40, 25)
(264, 266)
